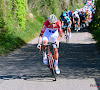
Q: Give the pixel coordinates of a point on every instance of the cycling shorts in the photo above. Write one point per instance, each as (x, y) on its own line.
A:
(51, 34)
(76, 20)
(66, 25)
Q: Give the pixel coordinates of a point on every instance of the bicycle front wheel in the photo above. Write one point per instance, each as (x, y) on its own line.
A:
(52, 68)
(67, 37)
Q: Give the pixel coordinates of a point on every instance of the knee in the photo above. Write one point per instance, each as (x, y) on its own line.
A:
(55, 50)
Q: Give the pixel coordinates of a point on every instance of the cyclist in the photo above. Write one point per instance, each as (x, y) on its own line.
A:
(51, 28)
(76, 20)
(87, 14)
(66, 24)
(82, 16)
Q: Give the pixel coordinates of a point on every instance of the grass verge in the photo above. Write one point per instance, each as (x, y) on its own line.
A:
(13, 39)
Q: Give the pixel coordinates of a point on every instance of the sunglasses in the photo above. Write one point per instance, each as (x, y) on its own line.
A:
(52, 23)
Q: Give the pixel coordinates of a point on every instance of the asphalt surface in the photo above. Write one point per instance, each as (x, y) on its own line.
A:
(79, 62)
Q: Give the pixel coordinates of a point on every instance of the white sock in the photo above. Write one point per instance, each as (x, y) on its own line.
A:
(56, 63)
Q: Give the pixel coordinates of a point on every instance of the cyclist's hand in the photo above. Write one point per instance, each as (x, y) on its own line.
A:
(39, 46)
(57, 44)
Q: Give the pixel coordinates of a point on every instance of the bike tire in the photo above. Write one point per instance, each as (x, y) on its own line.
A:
(52, 69)
(67, 38)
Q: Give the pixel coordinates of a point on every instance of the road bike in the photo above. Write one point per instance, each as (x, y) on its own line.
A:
(77, 27)
(67, 36)
(50, 60)
(67, 33)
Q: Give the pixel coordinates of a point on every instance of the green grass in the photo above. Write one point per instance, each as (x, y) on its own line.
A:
(10, 40)
(95, 24)
(14, 37)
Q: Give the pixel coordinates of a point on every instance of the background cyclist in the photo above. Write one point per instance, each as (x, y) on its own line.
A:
(82, 15)
(51, 28)
(76, 20)
(66, 23)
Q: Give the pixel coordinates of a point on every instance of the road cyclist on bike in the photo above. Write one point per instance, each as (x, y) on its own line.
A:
(82, 15)
(51, 29)
(76, 20)
(66, 24)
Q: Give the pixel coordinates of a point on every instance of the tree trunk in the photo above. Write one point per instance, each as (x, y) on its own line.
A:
(72, 2)
(77, 1)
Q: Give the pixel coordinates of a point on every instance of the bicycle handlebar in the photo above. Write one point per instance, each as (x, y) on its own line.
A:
(48, 44)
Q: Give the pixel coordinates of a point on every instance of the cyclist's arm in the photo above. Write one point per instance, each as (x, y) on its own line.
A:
(59, 37)
(42, 31)
(70, 22)
(40, 38)
(62, 22)
(59, 30)
(73, 20)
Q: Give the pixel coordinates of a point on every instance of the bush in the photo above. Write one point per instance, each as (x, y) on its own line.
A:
(95, 24)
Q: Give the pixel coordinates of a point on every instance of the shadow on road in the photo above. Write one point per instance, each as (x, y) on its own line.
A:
(79, 61)
(75, 61)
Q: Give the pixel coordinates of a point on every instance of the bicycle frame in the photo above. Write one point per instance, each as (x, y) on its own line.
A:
(67, 33)
(50, 61)
(48, 57)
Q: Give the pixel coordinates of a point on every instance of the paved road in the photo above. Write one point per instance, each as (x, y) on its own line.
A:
(79, 63)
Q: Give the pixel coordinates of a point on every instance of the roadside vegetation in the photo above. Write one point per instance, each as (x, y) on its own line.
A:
(95, 24)
(21, 20)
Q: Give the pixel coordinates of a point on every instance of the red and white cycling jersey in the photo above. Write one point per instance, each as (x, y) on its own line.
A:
(46, 25)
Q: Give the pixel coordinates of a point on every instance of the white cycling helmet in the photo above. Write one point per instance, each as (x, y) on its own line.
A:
(52, 18)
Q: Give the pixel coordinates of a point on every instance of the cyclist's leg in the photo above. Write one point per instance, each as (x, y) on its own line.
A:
(69, 29)
(56, 55)
(81, 23)
(45, 39)
(69, 32)
(75, 25)
(78, 25)
(64, 30)
(55, 50)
